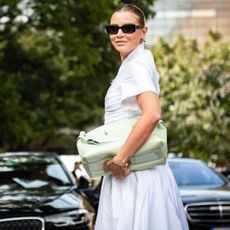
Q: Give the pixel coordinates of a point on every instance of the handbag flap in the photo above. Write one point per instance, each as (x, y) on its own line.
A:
(109, 132)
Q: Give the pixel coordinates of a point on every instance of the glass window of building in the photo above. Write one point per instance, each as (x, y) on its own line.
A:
(192, 18)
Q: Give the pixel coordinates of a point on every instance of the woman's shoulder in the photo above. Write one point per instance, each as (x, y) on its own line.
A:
(143, 60)
(140, 69)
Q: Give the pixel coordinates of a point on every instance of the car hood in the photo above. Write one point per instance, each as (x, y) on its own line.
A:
(43, 200)
(193, 195)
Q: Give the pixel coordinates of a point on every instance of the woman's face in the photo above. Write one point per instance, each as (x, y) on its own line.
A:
(125, 43)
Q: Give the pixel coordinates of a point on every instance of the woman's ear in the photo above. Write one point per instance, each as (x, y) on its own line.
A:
(145, 30)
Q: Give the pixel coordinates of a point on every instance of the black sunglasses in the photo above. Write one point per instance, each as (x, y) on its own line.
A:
(126, 28)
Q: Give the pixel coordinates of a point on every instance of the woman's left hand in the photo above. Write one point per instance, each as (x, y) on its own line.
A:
(120, 172)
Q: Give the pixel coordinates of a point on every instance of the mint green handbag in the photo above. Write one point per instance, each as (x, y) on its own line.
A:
(101, 144)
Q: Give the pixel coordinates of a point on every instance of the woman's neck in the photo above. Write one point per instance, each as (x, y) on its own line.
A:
(123, 56)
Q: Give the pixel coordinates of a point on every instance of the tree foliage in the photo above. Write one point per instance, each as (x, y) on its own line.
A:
(195, 95)
(55, 66)
(56, 63)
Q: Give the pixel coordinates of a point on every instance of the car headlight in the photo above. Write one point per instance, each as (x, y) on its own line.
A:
(71, 218)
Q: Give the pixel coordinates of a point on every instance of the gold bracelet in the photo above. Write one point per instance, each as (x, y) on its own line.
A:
(117, 162)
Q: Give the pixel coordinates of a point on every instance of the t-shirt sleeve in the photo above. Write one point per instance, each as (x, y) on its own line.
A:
(138, 78)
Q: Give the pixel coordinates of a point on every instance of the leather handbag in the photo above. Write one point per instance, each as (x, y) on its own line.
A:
(99, 145)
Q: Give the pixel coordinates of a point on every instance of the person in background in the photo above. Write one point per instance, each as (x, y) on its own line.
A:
(80, 175)
(145, 199)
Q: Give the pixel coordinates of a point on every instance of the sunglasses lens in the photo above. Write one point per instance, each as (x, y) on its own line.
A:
(112, 29)
(129, 28)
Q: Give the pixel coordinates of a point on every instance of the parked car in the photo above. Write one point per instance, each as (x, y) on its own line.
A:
(226, 173)
(37, 192)
(205, 194)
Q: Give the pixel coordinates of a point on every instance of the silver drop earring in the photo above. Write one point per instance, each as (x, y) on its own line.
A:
(143, 40)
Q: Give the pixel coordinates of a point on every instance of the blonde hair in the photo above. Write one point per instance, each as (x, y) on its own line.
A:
(134, 9)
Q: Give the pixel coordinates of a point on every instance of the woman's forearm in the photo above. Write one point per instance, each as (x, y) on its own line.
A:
(138, 136)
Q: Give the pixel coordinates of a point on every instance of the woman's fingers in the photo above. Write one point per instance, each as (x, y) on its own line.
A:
(116, 170)
(121, 173)
(107, 165)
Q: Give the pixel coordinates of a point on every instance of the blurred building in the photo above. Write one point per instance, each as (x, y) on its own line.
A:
(192, 18)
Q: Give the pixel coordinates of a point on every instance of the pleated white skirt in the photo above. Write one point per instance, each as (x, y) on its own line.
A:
(145, 200)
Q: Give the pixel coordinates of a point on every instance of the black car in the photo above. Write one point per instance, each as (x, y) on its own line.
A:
(205, 194)
(38, 193)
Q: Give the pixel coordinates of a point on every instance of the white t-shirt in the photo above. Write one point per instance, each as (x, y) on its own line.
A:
(136, 75)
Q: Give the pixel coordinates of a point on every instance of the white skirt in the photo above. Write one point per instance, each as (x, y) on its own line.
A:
(145, 200)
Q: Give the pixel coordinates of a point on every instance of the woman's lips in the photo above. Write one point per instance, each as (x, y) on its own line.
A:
(120, 43)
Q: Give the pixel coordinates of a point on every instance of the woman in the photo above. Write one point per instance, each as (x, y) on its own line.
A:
(146, 199)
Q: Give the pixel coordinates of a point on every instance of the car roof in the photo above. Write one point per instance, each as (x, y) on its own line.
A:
(184, 160)
(28, 153)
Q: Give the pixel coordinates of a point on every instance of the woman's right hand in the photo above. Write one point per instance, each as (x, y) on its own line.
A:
(120, 172)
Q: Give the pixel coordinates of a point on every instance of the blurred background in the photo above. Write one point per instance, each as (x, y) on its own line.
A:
(192, 18)
(56, 64)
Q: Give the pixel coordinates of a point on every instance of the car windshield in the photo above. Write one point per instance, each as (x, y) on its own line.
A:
(195, 174)
(31, 172)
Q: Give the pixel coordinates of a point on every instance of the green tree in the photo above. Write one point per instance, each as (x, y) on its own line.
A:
(55, 66)
(195, 95)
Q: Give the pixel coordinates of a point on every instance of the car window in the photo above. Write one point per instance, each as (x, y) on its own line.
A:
(195, 174)
(31, 172)
(56, 171)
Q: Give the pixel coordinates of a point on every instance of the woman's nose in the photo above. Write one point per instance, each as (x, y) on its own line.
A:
(120, 32)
